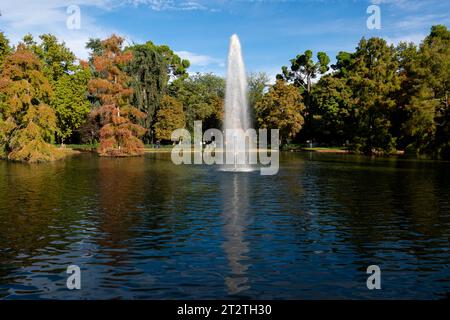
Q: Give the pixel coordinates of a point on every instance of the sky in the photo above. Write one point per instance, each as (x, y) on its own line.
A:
(271, 31)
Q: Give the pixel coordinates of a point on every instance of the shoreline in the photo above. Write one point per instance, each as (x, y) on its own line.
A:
(150, 150)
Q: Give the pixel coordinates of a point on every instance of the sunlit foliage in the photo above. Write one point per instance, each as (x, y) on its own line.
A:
(120, 133)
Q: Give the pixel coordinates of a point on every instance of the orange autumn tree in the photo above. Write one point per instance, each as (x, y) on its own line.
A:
(27, 122)
(120, 134)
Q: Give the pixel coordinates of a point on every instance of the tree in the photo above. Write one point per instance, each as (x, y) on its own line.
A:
(374, 79)
(56, 58)
(70, 101)
(5, 49)
(96, 47)
(413, 121)
(334, 111)
(28, 123)
(302, 72)
(343, 62)
(202, 96)
(281, 108)
(89, 131)
(119, 135)
(169, 118)
(257, 85)
(332, 104)
(69, 82)
(435, 80)
(151, 69)
(423, 112)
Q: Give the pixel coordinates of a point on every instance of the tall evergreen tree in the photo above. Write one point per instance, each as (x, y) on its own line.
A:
(149, 78)
(151, 69)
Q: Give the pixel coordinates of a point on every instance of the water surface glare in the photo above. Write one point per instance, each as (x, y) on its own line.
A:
(143, 228)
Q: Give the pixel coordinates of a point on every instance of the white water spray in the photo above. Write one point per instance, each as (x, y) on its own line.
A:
(237, 116)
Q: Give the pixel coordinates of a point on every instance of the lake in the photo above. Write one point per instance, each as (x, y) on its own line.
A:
(144, 228)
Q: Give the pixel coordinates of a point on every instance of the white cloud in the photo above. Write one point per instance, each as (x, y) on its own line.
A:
(422, 21)
(410, 20)
(414, 37)
(50, 16)
(402, 4)
(160, 5)
(192, 5)
(30, 13)
(200, 60)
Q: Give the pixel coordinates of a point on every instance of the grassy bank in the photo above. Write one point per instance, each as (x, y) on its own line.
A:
(168, 148)
(328, 149)
(304, 147)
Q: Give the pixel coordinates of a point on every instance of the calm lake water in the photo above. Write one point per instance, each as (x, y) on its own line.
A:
(143, 228)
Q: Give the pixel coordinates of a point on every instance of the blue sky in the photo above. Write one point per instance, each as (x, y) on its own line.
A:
(271, 31)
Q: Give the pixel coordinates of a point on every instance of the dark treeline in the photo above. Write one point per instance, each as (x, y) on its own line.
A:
(376, 100)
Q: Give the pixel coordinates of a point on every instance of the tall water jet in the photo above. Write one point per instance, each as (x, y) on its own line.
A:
(237, 116)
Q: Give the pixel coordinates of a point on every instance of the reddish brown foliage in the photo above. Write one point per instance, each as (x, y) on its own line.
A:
(119, 135)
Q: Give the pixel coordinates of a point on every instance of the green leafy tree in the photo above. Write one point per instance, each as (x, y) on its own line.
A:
(435, 63)
(57, 59)
(343, 62)
(423, 113)
(70, 101)
(374, 79)
(334, 116)
(5, 49)
(257, 86)
(202, 96)
(96, 47)
(413, 120)
(281, 108)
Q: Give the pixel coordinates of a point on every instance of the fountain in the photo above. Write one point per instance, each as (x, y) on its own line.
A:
(237, 115)
(241, 144)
